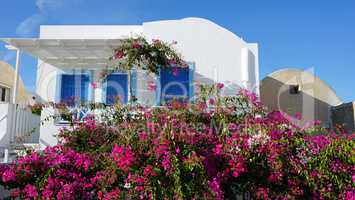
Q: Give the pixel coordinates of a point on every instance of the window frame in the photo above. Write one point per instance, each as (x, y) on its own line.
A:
(90, 91)
(104, 86)
(191, 75)
(7, 93)
(294, 89)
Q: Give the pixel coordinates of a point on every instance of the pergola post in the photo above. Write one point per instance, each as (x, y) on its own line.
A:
(17, 68)
(14, 96)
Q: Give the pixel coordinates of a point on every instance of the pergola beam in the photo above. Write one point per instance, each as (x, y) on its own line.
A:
(68, 53)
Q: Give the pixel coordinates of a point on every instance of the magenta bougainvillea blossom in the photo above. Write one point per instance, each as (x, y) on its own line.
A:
(140, 53)
(123, 157)
(202, 150)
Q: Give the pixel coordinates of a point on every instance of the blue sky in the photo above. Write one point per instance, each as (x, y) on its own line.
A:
(301, 34)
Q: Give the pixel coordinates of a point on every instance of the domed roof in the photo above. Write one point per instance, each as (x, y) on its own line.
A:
(298, 91)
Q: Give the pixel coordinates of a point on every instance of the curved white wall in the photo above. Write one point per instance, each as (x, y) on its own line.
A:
(216, 51)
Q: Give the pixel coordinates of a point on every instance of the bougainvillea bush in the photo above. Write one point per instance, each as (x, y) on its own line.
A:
(139, 53)
(214, 148)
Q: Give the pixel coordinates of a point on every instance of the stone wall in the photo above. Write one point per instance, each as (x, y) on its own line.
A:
(344, 115)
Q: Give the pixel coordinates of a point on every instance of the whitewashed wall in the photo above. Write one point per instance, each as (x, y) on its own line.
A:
(49, 129)
(217, 54)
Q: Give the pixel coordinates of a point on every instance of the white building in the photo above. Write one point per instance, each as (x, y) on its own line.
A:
(71, 57)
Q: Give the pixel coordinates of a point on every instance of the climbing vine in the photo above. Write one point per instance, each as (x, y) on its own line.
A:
(141, 54)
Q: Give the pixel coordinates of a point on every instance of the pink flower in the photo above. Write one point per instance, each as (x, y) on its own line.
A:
(119, 55)
(90, 122)
(172, 62)
(162, 148)
(140, 180)
(350, 195)
(175, 71)
(166, 163)
(156, 41)
(275, 177)
(211, 101)
(9, 175)
(220, 85)
(140, 188)
(82, 161)
(114, 194)
(148, 170)
(184, 64)
(123, 157)
(47, 193)
(143, 136)
(232, 127)
(99, 195)
(202, 106)
(214, 185)
(136, 45)
(152, 86)
(177, 150)
(237, 166)
(298, 116)
(31, 191)
(93, 85)
(317, 122)
(252, 97)
(262, 193)
(218, 149)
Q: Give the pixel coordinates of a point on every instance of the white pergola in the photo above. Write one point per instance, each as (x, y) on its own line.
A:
(63, 53)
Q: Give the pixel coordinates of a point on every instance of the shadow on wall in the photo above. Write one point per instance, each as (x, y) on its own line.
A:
(344, 115)
(291, 100)
(251, 66)
(230, 87)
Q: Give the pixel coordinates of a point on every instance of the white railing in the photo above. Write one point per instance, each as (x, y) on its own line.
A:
(17, 126)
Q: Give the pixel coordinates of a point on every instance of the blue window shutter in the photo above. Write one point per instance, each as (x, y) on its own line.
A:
(74, 86)
(84, 87)
(174, 86)
(67, 88)
(116, 86)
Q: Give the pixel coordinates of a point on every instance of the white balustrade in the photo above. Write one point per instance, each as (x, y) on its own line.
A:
(17, 126)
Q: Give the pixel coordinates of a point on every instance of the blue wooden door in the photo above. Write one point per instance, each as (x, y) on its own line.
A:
(74, 88)
(175, 84)
(116, 88)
